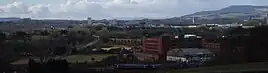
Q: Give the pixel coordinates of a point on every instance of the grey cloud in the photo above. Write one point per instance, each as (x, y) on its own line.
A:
(16, 8)
(39, 11)
(19, 9)
(1, 11)
(80, 9)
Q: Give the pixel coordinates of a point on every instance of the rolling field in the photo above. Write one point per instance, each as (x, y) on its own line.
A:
(73, 58)
(83, 58)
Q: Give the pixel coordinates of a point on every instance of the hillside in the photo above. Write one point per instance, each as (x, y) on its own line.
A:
(9, 19)
(236, 11)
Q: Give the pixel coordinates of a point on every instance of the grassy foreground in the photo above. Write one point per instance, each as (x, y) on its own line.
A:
(73, 58)
(226, 68)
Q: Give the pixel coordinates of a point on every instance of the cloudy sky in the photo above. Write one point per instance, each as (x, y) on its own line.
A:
(100, 9)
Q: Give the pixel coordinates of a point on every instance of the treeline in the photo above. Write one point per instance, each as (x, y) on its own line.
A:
(51, 66)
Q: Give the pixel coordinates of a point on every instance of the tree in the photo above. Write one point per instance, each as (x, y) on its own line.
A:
(110, 60)
(99, 27)
(252, 22)
(19, 35)
(93, 59)
(70, 26)
(64, 32)
(60, 50)
(244, 46)
(256, 46)
(44, 33)
(104, 39)
(2, 38)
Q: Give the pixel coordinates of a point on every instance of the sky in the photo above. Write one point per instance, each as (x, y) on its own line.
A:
(112, 9)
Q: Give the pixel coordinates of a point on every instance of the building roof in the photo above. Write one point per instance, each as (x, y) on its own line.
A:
(125, 39)
(191, 36)
(190, 51)
(110, 48)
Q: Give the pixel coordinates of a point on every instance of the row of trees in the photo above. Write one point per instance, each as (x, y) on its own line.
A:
(51, 66)
(39, 42)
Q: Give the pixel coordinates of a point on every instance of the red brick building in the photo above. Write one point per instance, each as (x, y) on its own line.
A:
(157, 47)
(213, 45)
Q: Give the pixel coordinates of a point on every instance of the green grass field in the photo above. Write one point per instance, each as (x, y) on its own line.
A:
(74, 58)
(83, 58)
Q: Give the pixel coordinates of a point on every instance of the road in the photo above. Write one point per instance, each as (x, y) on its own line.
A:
(90, 43)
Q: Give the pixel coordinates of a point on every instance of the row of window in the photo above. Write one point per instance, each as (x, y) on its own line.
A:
(211, 45)
(125, 42)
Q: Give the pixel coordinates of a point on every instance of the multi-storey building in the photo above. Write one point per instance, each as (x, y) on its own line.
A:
(212, 44)
(156, 48)
(89, 21)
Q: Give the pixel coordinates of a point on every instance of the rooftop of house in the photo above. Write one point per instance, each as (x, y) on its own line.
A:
(196, 51)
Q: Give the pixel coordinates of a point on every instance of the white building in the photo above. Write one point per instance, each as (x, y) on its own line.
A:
(191, 36)
(89, 21)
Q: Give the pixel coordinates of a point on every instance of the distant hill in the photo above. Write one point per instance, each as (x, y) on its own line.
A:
(9, 19)
(235, 11)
